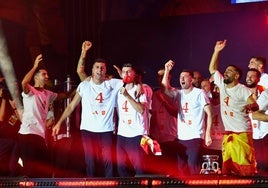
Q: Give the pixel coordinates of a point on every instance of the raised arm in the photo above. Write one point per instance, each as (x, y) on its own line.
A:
(27, 78)
(119, 71)
(81, 62)
(213, 66)
(165, 81)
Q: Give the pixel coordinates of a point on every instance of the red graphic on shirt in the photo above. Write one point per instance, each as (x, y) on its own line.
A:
(255, 125)
(185, 107)
(226, 100)
(190, 122)
(99, 98)
(124, 106)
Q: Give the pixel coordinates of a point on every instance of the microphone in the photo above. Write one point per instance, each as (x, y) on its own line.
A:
(126, 80)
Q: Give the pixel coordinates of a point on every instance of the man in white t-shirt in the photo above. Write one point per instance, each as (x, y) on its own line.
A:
(236, 102)
(97, 96)
(260, 134)
(192, 132)
(132, 126)
(258, 128)
(32, 140)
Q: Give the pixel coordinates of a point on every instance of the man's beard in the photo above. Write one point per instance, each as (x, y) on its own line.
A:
(227, 81)
(252, 85)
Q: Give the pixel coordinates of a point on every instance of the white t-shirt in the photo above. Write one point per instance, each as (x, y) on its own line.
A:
(98, 103)
(261, 129)
(232, 102)
(264, 80)
(131, 123)
(36, 105)
(191, 118)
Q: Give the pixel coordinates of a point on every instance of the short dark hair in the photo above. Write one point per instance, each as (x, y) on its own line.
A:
(238, 70)
(189, 71)
(130, 65)
(255, 70)
(99, 60)
(260, 59)
(40, 67)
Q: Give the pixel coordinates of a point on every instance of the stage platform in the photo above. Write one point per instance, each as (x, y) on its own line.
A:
(200, 181)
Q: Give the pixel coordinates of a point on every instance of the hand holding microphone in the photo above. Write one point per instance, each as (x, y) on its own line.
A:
(126, 80)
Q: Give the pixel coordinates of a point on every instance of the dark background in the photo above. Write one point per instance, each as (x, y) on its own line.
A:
(146, 33)
(187, 40)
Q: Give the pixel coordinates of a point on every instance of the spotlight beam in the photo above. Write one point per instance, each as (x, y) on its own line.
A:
(8, 72)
